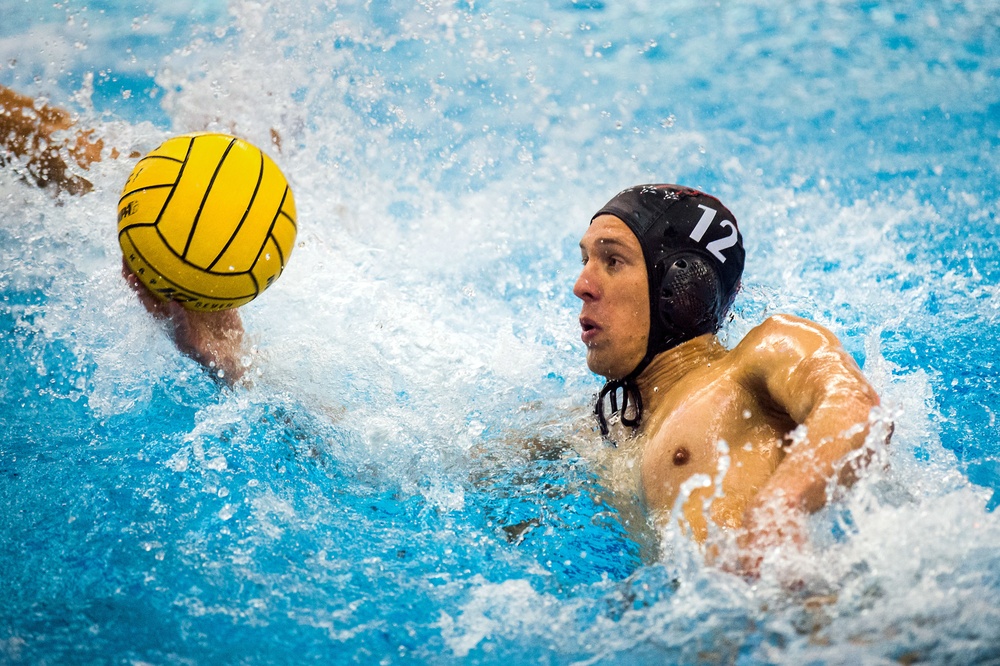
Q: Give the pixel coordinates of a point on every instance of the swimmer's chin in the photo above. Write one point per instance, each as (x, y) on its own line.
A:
(596, 365)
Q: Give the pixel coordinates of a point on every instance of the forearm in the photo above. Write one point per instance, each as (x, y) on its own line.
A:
(820, 452)
(214, 339)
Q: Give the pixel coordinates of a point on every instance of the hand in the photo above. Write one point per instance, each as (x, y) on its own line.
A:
(765, 529)
(42, 135)
(214, 339)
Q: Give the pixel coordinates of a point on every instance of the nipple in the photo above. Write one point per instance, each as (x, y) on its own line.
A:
(681, 456)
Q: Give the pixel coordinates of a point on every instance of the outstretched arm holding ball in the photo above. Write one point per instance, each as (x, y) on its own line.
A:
(42, 138)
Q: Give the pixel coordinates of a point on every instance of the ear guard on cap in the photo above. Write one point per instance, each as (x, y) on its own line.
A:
(690, 296)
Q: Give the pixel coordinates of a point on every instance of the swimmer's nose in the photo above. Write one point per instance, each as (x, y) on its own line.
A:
(584, 287)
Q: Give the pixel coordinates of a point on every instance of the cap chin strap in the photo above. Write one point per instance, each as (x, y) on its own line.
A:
(629, 389)
(630, 394)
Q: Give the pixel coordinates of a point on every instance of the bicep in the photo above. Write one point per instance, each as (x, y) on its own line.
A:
(807, 373)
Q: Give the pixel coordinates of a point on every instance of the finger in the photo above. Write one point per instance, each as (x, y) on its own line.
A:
(126, 269)
(153, 305)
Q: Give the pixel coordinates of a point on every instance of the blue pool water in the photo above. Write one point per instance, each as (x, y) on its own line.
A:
(414, 476)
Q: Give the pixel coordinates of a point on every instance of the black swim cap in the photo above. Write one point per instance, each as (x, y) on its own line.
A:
(694, 259)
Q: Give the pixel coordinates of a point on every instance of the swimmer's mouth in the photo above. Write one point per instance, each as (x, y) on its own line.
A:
(590, 329)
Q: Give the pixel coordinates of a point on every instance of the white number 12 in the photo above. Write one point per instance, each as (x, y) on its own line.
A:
(716, 246)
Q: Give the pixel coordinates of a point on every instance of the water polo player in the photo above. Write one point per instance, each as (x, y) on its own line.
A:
(769, 422)
(661, 267)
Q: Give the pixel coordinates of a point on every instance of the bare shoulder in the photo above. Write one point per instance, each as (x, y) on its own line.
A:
(784, 333)
(786, 337)
(784, 344)
(797, 361)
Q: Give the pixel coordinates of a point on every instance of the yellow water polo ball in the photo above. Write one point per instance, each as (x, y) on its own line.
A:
(207, 220)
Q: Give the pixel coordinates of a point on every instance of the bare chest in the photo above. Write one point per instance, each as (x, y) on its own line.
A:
(716, 434)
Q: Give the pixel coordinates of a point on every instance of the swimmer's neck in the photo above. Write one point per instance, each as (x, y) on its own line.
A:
(669, 367)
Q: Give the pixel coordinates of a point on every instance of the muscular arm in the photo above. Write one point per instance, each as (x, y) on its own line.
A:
(805, 371)
(44, 136)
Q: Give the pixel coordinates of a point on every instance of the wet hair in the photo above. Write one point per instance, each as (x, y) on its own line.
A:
(694, 258)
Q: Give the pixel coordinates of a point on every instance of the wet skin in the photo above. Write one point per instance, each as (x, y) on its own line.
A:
(703, 402)
(42, 135)
(214, 339)
(612, 286)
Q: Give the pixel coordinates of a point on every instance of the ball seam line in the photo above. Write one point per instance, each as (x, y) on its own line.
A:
(178, 257)
(204, 198)
(166, 202)
(253, 197)
(149, 187)
(270, 232)
(186, 289)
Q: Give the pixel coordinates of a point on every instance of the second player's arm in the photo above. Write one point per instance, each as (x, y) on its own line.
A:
(45, 138)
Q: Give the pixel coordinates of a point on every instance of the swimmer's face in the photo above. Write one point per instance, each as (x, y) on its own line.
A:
(612, 286)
